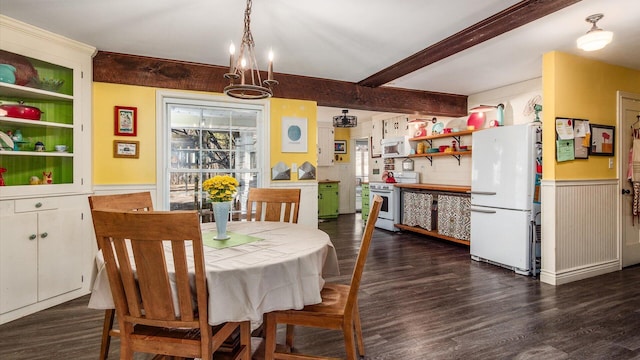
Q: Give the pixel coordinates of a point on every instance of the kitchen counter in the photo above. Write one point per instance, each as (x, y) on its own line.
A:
(436, 187)
(327, 181)
(441, 211)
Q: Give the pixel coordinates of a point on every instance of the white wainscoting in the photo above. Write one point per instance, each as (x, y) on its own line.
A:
(308, 200)
(580, 234)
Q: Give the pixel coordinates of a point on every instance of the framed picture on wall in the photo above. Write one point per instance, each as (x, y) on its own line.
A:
(294, 134)
(603, 140)
(126, 149)
(340, 147)
(125, 121)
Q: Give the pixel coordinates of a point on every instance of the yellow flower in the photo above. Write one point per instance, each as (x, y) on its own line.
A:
(220, 187)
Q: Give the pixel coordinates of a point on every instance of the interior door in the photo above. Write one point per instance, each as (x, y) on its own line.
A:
(628, 112)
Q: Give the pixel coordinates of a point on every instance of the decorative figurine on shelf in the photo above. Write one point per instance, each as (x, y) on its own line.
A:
(2, 170)
(34, 180)
(39, 146)
(47, 177)
(421, 129)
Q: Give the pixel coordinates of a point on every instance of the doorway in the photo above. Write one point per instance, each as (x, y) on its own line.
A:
(629, 125)
(361, 154)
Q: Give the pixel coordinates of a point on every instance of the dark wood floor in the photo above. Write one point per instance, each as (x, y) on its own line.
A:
(421, 298)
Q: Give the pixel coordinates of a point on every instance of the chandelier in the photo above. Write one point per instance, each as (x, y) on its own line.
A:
(344, 120)
(244, 69)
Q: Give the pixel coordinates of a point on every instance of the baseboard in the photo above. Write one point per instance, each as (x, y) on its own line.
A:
(581, 273)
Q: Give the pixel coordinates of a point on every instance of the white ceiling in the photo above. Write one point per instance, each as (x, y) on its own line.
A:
(337, 39)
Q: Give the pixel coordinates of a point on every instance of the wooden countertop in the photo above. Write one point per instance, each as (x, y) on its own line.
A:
(450, 188)
(327, 181)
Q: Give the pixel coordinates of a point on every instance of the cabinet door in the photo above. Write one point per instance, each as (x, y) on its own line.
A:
(59, 252)
(328, 200)
(376, 137)
(18, 261)
(454, 216)
(325, 146)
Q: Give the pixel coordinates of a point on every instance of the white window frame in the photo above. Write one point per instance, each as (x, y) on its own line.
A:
(163, 134)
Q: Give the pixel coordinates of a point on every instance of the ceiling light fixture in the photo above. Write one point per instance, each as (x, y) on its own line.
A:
(596, 38)
(251, 87)
(344, 120)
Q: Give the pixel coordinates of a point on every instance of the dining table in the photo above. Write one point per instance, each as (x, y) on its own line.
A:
(264, 266)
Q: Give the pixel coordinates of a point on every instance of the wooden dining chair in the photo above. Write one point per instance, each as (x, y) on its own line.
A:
(139, 201)
(338, 309)
(273, 205)
(144, 253)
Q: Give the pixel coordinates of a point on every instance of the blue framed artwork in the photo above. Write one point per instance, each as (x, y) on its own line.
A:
(294, 134)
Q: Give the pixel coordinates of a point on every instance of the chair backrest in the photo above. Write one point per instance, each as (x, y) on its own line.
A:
(133, 245)
(124, 202)
(273, 204)
(356, 276)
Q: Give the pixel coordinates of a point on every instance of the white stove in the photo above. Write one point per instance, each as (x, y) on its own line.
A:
(390, 210)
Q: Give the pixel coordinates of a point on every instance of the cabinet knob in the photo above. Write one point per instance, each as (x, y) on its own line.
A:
(38, 205)
(32, 237)
(44, 235)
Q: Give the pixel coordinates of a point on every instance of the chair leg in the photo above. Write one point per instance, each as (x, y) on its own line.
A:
(270, 328)
(289, 338)
(358, 326)
(107, 325)
(349, 341)
(245, 339)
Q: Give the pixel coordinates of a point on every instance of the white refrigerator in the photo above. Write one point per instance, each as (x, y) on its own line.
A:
(503, 210)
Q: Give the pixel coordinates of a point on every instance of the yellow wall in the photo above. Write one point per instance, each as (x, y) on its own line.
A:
(108, 170)
(576, 87)
(343, 134)
(293, 108)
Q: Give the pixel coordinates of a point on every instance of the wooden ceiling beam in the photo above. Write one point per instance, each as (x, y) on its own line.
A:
(172, 74)
(509, 19)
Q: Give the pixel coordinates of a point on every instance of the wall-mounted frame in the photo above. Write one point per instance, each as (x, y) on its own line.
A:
(125, 121)
(126, 149)
(340, 147)
(294, 134)
(603, 140)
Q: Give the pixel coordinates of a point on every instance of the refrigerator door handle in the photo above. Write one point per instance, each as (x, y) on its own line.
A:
(483, 211)
(483, 192)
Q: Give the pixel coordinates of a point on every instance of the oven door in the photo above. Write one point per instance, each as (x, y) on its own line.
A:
(386, 210)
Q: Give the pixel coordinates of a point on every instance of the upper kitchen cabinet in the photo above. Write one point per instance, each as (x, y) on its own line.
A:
(395, 126)
(325, 145)
(376, 137)
(45, 116)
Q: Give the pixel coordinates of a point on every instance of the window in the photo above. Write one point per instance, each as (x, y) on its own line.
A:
(204, 139)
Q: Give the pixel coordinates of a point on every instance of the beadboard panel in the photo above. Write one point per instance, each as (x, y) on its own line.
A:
(579, 230)
(308, 214)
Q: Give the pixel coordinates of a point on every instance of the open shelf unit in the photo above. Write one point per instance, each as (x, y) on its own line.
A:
(429, 139)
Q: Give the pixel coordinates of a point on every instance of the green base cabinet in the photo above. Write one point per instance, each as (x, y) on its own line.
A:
(328, 200)
(365, 202)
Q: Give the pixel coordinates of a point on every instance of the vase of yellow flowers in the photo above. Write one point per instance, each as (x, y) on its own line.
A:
(221, 190)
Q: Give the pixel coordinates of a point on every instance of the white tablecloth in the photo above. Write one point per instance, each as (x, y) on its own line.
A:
(283, 271)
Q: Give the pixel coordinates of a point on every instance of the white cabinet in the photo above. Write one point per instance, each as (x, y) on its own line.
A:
(45, 244)
(395, 126)
(325, 145)
(40, 252)
(376, 137)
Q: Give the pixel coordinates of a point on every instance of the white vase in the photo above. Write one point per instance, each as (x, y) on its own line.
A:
(221, 217)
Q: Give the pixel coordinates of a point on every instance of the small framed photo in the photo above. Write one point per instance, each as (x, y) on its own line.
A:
(125, 121)
(603, 140)
(340, 147)
(126, 149)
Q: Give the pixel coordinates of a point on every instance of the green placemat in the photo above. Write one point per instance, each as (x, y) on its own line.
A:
(235, 240)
